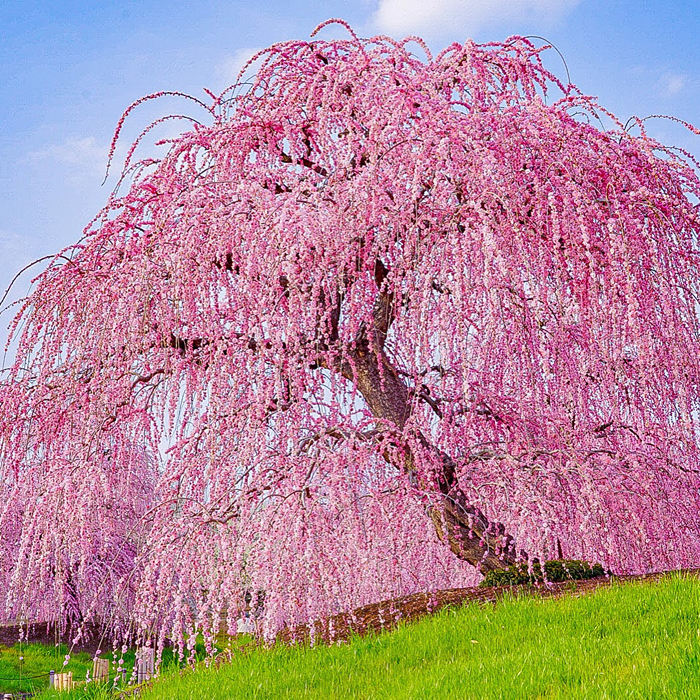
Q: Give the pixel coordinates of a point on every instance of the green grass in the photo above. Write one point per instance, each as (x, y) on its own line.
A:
(629, 641)
(25, 667)
(39, 659)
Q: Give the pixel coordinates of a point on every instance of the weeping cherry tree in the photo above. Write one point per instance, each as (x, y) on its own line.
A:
(383, 322)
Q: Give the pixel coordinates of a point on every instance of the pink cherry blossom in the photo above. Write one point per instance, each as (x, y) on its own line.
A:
(383, 320)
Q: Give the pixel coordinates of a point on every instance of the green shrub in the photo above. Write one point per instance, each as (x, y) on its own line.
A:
(555, 570)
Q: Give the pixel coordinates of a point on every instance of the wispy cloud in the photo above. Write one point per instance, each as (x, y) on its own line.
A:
(83, 157)
(228, 69)
(82, 161)
(670, 84)
(665, 82)
(444, 18)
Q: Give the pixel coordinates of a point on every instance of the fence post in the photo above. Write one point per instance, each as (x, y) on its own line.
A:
(63, 681)
(145, 664)
(100, 670)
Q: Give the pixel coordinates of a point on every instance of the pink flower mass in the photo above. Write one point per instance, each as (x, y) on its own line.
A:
(379, 323)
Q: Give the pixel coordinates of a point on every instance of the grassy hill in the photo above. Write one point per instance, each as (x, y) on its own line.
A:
(637, 640)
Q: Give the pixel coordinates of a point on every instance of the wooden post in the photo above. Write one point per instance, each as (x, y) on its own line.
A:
(145, 664)
(100, 670)
(63, 681)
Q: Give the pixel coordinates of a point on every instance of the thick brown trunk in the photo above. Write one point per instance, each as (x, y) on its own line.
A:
(466, 530)
(470, 535)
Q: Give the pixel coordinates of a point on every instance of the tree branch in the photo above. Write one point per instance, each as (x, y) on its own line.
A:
(383, 311)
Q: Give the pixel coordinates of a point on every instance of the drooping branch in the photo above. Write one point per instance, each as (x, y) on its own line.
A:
(365, 363)
(464, 527)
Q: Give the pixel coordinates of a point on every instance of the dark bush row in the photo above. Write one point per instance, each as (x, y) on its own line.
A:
(555, 570)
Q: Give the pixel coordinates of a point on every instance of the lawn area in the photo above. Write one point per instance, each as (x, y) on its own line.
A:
(634, 640)
(25, 667)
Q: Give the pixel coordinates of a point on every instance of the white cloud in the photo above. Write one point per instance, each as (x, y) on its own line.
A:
(82, 161)
(671, 84)
(462, 18)
(228, 69)
(83, 157)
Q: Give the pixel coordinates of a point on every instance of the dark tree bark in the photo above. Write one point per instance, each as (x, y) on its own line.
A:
(464, 527)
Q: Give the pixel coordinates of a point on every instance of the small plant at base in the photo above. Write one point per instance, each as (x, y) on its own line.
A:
(554, 571)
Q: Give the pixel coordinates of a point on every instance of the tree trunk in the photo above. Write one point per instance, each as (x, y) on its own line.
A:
(466, 530)
(470, 535)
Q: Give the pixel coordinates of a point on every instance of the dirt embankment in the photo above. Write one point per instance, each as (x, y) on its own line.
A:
(389, 613)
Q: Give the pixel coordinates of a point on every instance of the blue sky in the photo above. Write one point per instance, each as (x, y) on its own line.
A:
(69, 68)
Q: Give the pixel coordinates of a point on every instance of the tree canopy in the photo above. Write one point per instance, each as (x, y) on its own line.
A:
(379, 321)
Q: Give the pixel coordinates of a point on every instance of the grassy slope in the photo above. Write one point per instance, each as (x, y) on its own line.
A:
(637, 640)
